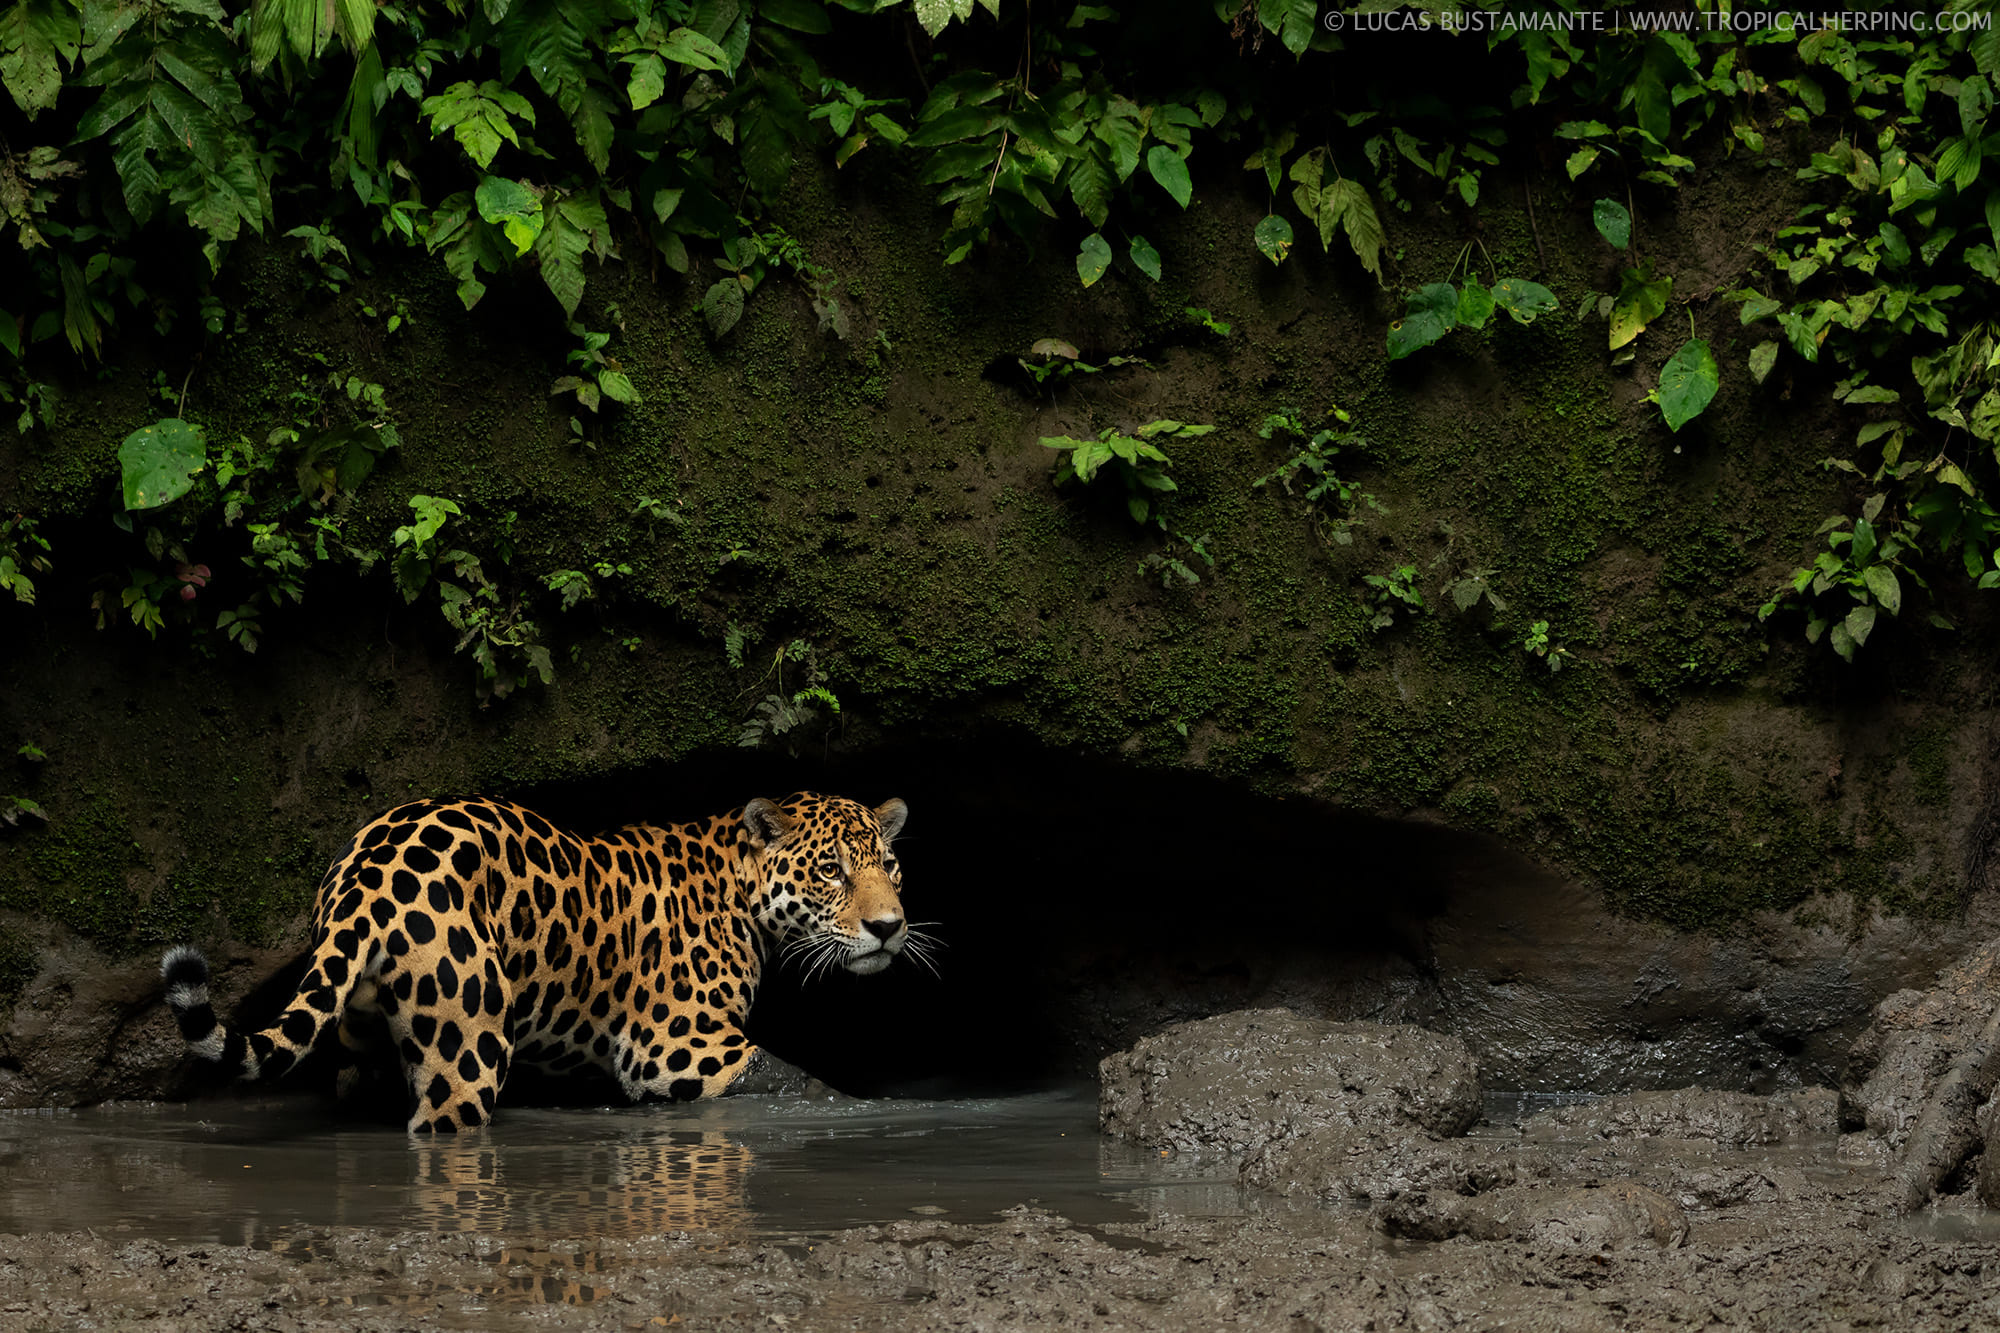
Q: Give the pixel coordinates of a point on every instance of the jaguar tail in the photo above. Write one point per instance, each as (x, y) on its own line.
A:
(253, 1055)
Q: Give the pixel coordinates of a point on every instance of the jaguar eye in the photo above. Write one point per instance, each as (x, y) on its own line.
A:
(829, 870)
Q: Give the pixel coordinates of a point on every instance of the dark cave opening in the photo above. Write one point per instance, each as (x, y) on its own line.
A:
(1081, 905)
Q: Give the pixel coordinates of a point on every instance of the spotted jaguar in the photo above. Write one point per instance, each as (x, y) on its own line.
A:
(474, 935)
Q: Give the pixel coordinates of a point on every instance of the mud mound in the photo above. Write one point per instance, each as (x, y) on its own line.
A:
(1732, 1119)
(1909, 1045)
(1237, 1082)
(1586, 1220)
(1337, 1162)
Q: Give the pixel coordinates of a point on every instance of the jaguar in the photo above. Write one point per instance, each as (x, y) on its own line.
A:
(473, 936)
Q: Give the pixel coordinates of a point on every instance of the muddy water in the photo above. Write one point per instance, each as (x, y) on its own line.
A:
(246, 1173)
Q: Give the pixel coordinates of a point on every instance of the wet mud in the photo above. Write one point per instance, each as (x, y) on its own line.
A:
(1256, 1170)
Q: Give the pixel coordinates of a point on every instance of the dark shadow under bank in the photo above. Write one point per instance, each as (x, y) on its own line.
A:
(1079, 907)
(1083, 906)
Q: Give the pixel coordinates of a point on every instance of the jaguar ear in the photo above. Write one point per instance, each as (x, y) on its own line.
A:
(765, 823)
(892, 813)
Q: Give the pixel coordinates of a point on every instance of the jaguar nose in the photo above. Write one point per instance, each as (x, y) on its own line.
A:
(884, 928)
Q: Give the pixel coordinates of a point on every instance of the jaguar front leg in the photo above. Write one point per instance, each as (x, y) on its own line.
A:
(685, 1065)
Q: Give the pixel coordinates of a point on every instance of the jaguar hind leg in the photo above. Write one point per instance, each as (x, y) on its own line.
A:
(455, 1049)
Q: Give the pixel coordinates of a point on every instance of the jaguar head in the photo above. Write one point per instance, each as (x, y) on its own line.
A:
(829, 889)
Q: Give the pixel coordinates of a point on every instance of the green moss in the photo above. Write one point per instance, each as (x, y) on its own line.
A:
(77, 869)
(890, 506)
(1929, 755)
(17, 968)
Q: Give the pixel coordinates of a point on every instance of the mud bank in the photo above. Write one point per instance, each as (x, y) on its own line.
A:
(1341, 1191)
(1805, 1249)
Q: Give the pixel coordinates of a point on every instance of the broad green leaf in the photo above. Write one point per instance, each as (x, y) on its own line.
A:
(513, 207)
(1170, 172)
(1757, 306)
(1475, 305)
(1687, 383)
(1762, 357)
(1347, 201)
(559, 250)
(1859, 624)
(722, 305)
(1122, 135)
(1432, 313)
(685, 46)
(1274, 238)
(1640, 301)
(648, 81)
(1862, 549)
(1523, 299)
(1579, 161)
(1092, 258)
(1881, 581)
(798, 15)
(1614, 223)
(1090, 188)
(934, 14)
(159, 462)
(1145, 258)
(617, 385)
(34, 41)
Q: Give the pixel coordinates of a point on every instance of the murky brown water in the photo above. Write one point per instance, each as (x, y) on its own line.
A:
(247, 1173)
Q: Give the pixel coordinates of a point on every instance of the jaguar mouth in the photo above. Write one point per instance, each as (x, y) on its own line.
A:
(866, 964)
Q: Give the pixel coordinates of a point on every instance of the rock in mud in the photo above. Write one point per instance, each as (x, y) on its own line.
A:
(1896, 1064)
(1614, 1215)
(1236, 1082)
(1731, 1119)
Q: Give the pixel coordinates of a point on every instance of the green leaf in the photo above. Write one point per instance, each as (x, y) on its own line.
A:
(617, 385)
(1862, 550)
(722, 305)
(1475, 305)
(1640, 301)
(513, 207)
(159, 462)
(1121, 135)
(648, 81)
(1614, 223)
(1762, 357)
(1145, 258)
(33, 43)
(1859, 624)
(1274, 238)
(1093, 257)
(1432, 313)
(1687, 383)
(1090, 188)
(1170, 172)
(1757, 306)
(1882, 582)
(685, 46)
(1348, 202)
(1579, 161)
(798, 15)
(1523, 299)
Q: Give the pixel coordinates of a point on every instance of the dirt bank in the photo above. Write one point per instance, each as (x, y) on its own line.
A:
(1807, 1249)
(1356, 1203)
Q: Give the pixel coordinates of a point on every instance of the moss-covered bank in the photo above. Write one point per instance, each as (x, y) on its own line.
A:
(885, 498)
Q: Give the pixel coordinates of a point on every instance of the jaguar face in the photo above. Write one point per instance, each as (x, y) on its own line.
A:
(831, 887)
